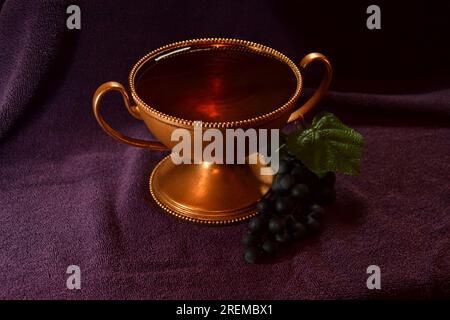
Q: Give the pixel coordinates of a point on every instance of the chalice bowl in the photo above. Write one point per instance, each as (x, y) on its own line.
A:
(224, 84)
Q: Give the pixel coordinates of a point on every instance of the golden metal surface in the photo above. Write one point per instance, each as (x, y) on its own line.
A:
(323, 87)
(154, 112)
(208, 193)
(133, 110)
(210, 200)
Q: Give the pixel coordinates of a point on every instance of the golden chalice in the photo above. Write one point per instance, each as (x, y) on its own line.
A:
(224, 83)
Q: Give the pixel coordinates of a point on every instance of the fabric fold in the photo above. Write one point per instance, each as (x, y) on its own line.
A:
(28, 47)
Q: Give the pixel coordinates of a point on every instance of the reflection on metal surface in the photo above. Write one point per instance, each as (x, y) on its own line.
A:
(258, 89)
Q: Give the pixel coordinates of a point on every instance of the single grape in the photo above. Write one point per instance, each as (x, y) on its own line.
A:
(276, 224)
(256, 224)
(251, 255)
(314, 215)
(263, 206)
(270, 246)
(291, 155)
(276, 186)
(297, 173)
(286, 182)
(312, 223)
(283, 166)
(282, 236)
(292, 160)
(298, 230)
(300, 191)
(249, 239)
(283, 204)
(317, 209)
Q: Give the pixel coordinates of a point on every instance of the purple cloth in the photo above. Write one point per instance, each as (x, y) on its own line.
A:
(69, 194)
(29, 46)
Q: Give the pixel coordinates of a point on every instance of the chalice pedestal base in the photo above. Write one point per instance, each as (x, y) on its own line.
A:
(209, 193)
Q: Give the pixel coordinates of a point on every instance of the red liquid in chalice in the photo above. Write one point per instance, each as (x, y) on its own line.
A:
(215, 85)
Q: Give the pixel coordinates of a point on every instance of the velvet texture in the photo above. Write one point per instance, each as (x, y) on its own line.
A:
(69, 194)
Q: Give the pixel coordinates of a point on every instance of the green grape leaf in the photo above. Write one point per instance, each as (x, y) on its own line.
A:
(328, 145)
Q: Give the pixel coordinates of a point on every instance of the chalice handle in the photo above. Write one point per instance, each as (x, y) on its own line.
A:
(323, 87)
(132, 109)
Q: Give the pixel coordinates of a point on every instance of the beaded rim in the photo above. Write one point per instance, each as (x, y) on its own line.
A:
(168, 210)
(244, 45)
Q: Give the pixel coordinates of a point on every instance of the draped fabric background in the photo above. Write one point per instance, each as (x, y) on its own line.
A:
(69, 194)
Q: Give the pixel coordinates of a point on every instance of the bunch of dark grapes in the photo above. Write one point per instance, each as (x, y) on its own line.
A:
(292, 210)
